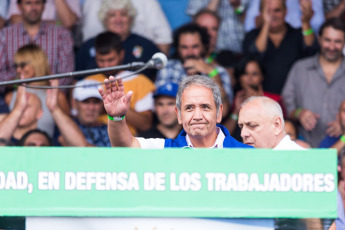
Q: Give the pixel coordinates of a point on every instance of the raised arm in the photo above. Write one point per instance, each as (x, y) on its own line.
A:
(69, 130)
(262, 39)
(10, 123)
(66, 16)
(307, 14)
(116, 104)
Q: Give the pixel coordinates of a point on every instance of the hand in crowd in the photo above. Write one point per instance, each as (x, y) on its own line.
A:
(334, 128)
(22, 99)
(308, 119)
(307, 10)
(266, 16)
(52, 96)
(197, 65)
(116, 102)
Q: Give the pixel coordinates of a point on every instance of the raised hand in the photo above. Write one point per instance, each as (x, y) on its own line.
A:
(307, 10)
(21, 99)
(195, 66)
(52, 96)
(116, 102)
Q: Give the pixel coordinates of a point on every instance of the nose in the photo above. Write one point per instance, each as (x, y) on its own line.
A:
(197, 115)
(244, 133)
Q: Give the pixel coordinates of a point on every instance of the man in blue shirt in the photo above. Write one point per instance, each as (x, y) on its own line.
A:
(198, 108)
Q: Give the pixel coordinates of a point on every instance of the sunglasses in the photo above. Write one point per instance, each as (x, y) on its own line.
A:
(20, 65)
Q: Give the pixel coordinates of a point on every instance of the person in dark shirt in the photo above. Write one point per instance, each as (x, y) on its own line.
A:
(118, 18)
(165, 103)
(278, 44)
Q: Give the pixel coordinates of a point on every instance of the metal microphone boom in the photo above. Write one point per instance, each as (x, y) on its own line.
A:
(133, 65)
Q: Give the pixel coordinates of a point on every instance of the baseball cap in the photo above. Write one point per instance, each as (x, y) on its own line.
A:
(89, 89)
(169, 89)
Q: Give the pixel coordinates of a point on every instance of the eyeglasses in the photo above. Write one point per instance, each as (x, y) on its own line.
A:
(20, 64)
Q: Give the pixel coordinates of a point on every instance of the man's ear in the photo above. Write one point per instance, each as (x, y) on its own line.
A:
(219, 117)
(278, 125)
(178, 116)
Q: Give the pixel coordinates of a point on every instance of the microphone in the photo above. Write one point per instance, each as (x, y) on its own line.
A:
(158, 61)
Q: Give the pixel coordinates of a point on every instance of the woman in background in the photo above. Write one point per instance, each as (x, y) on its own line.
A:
(31, 61)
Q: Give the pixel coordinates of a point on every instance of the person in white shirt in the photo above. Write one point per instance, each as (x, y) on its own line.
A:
(262, 124)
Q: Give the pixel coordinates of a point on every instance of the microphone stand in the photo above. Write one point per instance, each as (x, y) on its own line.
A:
(133, 65)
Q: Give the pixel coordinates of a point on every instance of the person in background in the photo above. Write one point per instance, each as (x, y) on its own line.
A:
(291, 130)
(35, 138)
(89, 106)
(278, 44)
(30, 61)
(150, 22)
(191, 44)
(167, 124)
(26, 112)
(250, 74)
(109, 53)
(293, 16)
(118, 17)
(54, 40)
(210, 20)
(232, 14)
(314, 88)
(59, 12)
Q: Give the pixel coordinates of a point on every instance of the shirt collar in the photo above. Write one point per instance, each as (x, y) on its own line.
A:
(217, 144)
(41, 30)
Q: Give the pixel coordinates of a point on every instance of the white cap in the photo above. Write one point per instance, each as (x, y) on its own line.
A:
(86, 89)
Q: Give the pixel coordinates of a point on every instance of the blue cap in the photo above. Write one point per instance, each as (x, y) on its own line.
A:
(169, 89)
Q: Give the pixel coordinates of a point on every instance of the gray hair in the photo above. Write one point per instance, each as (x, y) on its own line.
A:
(199, 80)
(107, 5)
(271, 107)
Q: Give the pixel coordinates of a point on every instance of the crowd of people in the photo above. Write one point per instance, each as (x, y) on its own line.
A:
(240, 73)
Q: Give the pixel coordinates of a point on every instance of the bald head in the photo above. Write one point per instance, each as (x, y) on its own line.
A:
(32, 112)
(261, 122)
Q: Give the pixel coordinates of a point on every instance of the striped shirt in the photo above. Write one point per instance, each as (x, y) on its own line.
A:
(54, 40)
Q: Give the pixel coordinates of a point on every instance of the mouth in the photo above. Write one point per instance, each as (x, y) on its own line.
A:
(249, 143)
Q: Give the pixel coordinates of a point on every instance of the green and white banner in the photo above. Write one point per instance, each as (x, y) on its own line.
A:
(124, 182)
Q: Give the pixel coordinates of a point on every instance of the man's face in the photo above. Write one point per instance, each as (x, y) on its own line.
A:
(342, 116)
(277, 12)
(190, 46)
(31, 10)
(198, 112)
(331, 44)
(111, 59)
(89, 110)
(165, 110)
(209, 22)
(257, 127)
(37, 140)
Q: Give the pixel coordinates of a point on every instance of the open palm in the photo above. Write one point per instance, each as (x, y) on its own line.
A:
(116, 102)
